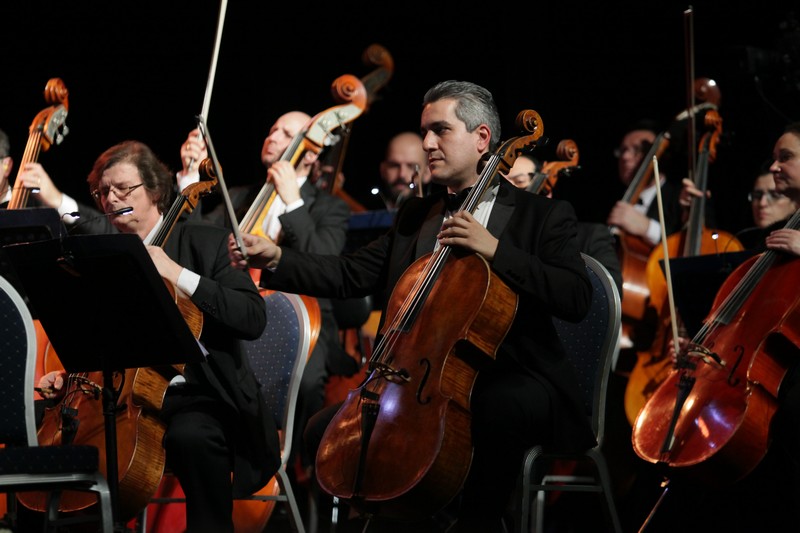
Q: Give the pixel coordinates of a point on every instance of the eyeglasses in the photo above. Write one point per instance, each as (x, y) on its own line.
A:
(757, 194)
(121, 192)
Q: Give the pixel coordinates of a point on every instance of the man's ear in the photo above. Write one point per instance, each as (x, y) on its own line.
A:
(484, 137)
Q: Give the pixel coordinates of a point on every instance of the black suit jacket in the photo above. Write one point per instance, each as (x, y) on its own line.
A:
(232, 310)
(537, 256)
(319, 226)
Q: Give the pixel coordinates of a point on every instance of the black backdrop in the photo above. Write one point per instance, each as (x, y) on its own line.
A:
(139, 70)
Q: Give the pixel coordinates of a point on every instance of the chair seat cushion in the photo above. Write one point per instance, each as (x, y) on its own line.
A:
(48, 459)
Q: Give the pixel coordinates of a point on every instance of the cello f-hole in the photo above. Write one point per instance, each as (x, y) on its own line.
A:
(732, 379)
(426, 362)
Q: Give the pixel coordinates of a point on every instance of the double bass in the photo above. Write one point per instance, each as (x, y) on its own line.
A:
(710, 418)
(79, 417)
(321, 131)
(653, 365)
(400, 444)
(47, 129)
(633, 251)
(379, 57)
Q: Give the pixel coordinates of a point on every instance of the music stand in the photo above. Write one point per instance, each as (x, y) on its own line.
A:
(26, 225)
(696, 281)
(101, 293)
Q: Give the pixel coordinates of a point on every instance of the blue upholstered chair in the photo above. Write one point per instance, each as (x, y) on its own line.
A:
(591, 344)
(24, 465)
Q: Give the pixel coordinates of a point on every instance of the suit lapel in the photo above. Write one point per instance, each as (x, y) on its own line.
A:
(430, 228)
(501, 212)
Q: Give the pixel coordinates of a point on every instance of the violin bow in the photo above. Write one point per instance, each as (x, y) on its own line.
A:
(212, 71)
(201, 123)
(237, 235)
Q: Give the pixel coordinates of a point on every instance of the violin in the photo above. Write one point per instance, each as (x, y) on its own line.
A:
(633, 251)
(709, 419)
(78, 418)
(696, 239)
(413, 408)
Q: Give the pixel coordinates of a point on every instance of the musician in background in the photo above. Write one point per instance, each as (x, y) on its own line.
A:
(6, 165)
(641, 219)
(771, 209)
(529, 396)
(216, 422)
(766, 498)
(524, 171)
(593, 239)
(302, 217)
(403, 167)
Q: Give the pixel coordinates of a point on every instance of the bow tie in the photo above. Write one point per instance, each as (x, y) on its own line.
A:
(455, 201)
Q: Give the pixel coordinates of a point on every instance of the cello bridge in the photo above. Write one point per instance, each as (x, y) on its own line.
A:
(382, 370)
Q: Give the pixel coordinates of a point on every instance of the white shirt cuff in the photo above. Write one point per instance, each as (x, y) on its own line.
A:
(294, 205)
(184, 180)
(188, 281)
(653, 234)
(68, 205)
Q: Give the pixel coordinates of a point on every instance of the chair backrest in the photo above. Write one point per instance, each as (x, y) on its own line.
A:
(17, 368)
(593, 343)
(279, 356)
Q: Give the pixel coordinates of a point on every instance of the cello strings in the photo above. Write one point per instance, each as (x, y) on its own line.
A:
(431, 271)
(742, 291)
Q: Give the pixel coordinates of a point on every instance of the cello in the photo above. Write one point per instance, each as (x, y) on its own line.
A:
(710, 418)
(696, 239)
(413, 408)
(545, 181)
(633, 251)
(79, 417)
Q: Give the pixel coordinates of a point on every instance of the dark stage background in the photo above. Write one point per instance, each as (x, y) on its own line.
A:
(138, 70)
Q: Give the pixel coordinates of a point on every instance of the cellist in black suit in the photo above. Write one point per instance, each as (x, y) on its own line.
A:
(530, 395)
(216, 421)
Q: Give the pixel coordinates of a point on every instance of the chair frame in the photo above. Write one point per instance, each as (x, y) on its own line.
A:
(56, 481)
(303, 351)
(600, 482)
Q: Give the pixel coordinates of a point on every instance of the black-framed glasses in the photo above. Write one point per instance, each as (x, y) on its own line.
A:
(757, 194)
(121, 192)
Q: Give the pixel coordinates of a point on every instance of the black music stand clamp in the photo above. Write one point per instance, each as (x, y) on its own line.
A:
(95, 295)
